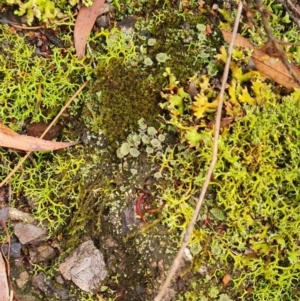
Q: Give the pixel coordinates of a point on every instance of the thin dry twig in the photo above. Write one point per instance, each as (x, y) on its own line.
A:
(12, 295)
(273, 41)
(293, 8)
(45, 132)
(189, 230)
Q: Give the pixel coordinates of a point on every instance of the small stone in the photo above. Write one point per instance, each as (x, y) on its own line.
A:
(4, 213)
(102, 22)
(17, 215)
(38, 282)
(22, 279)
(59, 279)
(42, 253)
(15, 249)
(28, 233)
(85, 267)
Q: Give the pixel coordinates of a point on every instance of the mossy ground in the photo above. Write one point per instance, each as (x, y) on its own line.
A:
(248, 227)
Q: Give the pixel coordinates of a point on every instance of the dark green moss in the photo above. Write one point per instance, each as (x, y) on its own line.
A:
(129, 92)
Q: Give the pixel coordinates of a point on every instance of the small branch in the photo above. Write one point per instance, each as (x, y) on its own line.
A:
(189, 230)
(45, 132)
(272, 40)
(292, 9)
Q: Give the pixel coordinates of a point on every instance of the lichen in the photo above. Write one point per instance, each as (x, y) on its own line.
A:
(129, 75)
(44, 10)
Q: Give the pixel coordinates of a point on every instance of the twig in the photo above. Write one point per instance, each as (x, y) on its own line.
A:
(293, 10)
(6, 259)
(177, 260)
(45, 132)
(273, 41)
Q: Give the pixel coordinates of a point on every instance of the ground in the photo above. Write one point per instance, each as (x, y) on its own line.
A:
(146, 123)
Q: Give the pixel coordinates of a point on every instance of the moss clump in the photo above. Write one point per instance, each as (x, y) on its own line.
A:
(127, 95)
(129, 74)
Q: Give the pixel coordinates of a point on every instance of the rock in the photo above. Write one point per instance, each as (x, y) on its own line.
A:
(62, 292)
(42, 253)
(3, 281)
(22, 279)
(38, 282)
(17, 215)
(28, 233)
(15, 249)
(27, 298)
(4, 214)
(85, 267)
(59, 279)
(102, 22)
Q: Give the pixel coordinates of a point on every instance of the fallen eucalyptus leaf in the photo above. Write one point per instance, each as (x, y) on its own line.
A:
(84, 23)
(11, 139)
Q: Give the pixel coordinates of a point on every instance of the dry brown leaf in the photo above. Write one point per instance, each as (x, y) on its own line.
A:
(226, 279)
(270, 66)
(239, 40)
(224, 122)
(11, 139)
(84, 23)
(273, 68)
(36, 129)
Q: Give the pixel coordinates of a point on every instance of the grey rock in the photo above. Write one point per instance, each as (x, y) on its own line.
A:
(85, 267)
(102, 22)
(3, 281)
(4, 213)
(28, 233)
(15, 249)
(63, 293)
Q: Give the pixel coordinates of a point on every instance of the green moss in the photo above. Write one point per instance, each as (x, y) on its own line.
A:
(127, 95)
(127, 89)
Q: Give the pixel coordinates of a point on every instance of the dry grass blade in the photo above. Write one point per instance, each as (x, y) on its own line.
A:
(45, 132)
(179, 255)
